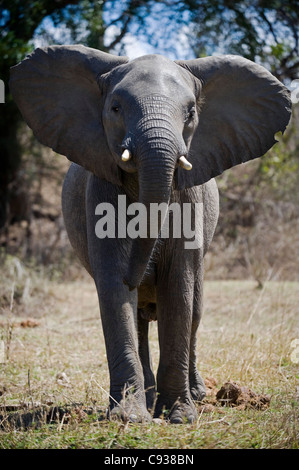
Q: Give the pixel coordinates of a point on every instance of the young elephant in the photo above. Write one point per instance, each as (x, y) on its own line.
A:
(154, 132)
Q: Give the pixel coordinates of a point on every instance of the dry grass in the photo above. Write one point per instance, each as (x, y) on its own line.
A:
(57, 359)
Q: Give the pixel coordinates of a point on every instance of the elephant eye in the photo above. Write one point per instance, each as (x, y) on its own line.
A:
(190, 115)
(115, 109)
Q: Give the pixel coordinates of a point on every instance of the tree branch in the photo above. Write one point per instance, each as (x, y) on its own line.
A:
(121, 34)
(265, 19)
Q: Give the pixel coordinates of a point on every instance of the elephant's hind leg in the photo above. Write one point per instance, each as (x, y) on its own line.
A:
(197, 385)
(145, 358)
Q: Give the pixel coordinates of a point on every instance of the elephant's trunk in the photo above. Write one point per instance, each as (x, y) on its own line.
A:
(157, 153)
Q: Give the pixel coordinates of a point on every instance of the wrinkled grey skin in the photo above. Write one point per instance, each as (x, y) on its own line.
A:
(90, 106)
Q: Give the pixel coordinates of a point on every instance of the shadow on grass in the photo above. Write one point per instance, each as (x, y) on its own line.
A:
(16, 417)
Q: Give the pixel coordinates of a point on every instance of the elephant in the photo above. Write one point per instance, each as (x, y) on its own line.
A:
(147, 132)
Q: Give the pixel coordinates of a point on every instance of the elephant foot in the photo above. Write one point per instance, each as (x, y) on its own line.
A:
(181, 412)
(129, 410)
(197, 387)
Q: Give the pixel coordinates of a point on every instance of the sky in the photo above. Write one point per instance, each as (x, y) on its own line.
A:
(133, 47)
(158, 26)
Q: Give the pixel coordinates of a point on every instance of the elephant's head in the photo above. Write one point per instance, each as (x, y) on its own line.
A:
(178, 124)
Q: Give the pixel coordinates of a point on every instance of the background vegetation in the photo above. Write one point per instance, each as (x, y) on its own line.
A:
(257, 239)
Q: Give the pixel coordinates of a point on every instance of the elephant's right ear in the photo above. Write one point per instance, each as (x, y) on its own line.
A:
(56, 89)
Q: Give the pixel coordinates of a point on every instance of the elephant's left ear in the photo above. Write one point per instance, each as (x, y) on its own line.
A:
(244, 106)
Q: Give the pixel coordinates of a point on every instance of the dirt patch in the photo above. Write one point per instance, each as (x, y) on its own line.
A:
(29, 323)
(232, 394)
(211, 386)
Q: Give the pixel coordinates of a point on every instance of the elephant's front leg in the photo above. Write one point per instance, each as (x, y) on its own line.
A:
(175, 313)
(118, 314)
(118, 306)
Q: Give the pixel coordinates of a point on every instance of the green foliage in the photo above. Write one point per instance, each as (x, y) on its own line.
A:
(92, 14)
(279, 168)
(266, 31)
(80, 23)
(279, 165)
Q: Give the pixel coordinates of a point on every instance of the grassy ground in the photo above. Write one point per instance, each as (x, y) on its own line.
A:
(52, 354)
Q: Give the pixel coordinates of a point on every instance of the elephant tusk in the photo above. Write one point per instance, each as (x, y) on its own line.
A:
(183, 162)
(126, 155)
